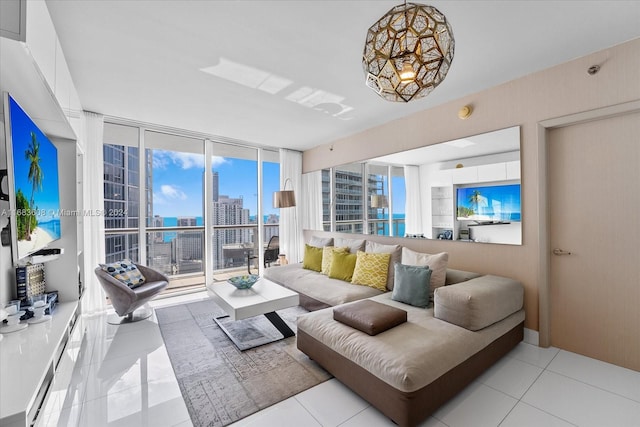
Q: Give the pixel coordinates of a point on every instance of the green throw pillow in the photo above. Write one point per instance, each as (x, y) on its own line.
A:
(126, 272)
(371, 270)
(342, 265)
(327, 257)
(412, 285)
(312, 258)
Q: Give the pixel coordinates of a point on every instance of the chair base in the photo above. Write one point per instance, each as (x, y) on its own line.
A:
(137, 315)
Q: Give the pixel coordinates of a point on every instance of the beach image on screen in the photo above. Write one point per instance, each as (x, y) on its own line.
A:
(490, 203)
(35, 170)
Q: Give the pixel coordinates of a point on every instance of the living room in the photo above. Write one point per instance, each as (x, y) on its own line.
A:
(542, 98)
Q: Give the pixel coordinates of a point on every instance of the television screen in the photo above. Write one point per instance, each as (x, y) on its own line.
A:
(491, 203)
(33, 174)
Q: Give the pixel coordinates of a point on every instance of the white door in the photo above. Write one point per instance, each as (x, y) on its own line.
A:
(594, 202)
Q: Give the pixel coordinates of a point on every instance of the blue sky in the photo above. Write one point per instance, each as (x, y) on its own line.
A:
(48, 197)
(178, 181)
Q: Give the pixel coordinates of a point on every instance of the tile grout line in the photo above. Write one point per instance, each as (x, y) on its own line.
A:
(295, 397)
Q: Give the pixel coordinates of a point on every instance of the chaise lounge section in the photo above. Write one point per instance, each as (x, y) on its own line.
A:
(409, 370)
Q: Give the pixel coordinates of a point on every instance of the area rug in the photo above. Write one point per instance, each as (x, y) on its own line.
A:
(221, 384)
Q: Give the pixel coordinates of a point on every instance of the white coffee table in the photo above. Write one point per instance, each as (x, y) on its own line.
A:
(264, 297)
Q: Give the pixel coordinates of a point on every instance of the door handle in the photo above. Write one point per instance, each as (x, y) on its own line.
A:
(559, 252)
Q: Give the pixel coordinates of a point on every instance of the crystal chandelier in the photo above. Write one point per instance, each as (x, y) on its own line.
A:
(408, 52)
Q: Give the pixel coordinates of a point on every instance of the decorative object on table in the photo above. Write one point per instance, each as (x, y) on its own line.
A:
(408, 52)
(52, 300)
(30, 281)
(13, 318)
(38, 307)
(244, 282)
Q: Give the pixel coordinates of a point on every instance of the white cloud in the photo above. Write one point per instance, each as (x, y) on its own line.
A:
(172, 192)
(217, 161)
(162, 159)
(187, 160)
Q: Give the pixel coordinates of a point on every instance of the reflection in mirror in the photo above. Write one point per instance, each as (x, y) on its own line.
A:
(466, 190)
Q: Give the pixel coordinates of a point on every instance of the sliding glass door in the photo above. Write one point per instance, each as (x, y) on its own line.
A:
(189, 207)
(174, 179)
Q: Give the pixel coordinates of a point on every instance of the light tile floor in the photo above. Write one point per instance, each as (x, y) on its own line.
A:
(123, 377)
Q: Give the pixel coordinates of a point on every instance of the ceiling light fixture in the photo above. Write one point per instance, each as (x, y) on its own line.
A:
(408, 52)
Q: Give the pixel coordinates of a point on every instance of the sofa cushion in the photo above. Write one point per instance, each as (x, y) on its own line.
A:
(396, 256)
(436, 262)
(321, 288)
(478, 303)
(342, 266)
(411, 355)
(321, 242)
(126, 272)
(327, 257)
(354, 245)
(459, 276)
(371, 270)
(312, 258)
(370, 317)
(412, 285)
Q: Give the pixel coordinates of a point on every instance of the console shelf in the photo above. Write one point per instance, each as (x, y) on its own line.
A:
(28, 361)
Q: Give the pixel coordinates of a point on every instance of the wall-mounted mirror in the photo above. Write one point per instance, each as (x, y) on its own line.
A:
(466, 190)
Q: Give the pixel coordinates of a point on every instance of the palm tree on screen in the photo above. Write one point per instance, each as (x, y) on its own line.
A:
(475, 198)
(32, 154)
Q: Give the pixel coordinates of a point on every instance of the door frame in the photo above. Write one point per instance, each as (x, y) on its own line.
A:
(544, 255)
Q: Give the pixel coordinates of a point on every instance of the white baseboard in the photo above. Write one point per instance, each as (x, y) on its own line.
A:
(531, 337)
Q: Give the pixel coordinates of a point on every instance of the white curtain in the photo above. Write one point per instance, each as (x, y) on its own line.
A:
(91, 132)
(413, 207)
(311, 201)
(290, 228)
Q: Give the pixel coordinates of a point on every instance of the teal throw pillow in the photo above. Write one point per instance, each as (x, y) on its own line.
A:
(412, 285)
(126, 272)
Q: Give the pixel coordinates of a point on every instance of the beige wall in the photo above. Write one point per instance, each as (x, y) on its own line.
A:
(559, 91)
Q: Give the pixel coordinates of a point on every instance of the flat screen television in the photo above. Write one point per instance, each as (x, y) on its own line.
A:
(488, 203)
(32, 172)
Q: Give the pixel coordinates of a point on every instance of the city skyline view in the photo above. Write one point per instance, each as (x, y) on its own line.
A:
(178, 177)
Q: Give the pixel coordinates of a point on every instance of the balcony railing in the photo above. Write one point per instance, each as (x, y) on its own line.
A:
(179, 252)
(376, 226)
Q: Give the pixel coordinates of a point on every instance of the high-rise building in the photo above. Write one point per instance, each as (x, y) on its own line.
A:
(349, 198)
(216, 186)
(230, 211)
(121, 200)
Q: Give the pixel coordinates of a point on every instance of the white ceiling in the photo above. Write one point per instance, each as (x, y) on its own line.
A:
(299, 62)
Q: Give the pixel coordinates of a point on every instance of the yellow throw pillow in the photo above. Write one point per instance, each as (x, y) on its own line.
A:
(371, 270)
(342, 265)
(312, 258)
(327, 257)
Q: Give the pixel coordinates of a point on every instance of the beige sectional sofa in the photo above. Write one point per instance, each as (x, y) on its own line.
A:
(409, 370)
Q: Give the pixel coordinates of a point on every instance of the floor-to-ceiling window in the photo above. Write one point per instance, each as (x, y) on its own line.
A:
(162, 177)
(373, 205)
(174, 182)
(121, 193)
(270, 184)
(234, 206)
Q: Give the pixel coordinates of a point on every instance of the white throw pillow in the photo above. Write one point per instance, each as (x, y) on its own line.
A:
(436, 262)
